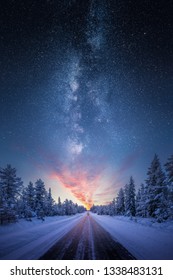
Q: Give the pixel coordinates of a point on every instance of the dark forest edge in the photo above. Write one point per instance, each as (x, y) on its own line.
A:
(154, 199)
(17, 201)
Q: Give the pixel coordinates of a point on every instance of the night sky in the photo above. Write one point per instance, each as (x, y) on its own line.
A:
(86, 92)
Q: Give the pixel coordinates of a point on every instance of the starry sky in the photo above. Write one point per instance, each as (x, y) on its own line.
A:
(86, 92)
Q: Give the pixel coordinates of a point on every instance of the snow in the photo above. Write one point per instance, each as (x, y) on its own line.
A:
(144, 238)
(30, 240)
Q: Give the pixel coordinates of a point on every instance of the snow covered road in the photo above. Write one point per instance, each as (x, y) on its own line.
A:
(87, 237)
(87, 241)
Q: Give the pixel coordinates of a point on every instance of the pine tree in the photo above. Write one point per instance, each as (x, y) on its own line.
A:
(126, 198)
(49, 204)
(68, 207)
(141, 202)
(156, 176)
(40, 198)
(93, 209)
(24, 209)
(156, 190)
(120, 204)
(130, 198)
(10, 188)
(81, 209)
(26, 203)
(30, 196)
(111, 209)
(59, 207)
(169, 171)
(101, 210)
(138, 203)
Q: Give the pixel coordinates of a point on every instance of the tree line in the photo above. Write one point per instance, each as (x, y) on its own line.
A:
(17, 201)
(153, 199)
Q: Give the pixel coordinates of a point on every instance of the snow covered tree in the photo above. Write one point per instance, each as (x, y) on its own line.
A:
(24, 210)
(75, 208)
(111, 209)
(10, 187)
(126, 191)
(156, 176)
(26, 203)
(59, 207)
(30, 196)
(156, 191)
(138, 203)
(1, 196)
(19, 202)
(81, 209)
(49, 204)
(120, 205)
(169, 171)
(141, 199)
(130, 198)
(59, 202)
(68, 207)
(101, 210)
(93, 209)
(40, 197)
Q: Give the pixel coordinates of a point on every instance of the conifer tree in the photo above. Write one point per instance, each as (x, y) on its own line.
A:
(138, 203)
(156, 190)
(169, 171)
(111, 209)
(130, 198)
(141, 202)
(30, 196)
(10, 191)
(49, 204)
(40, 198)
(120, 205)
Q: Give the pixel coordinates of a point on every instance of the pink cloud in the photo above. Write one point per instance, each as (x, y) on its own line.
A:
(79, 182)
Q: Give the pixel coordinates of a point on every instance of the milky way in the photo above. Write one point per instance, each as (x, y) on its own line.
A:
(86, 93)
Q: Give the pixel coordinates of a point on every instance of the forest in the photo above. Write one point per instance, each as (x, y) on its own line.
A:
(153, 199)
(17, 201)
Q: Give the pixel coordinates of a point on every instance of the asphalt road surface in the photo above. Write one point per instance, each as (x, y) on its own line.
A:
(87, 241)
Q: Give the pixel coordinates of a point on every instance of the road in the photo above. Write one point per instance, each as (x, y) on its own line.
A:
(87, 241)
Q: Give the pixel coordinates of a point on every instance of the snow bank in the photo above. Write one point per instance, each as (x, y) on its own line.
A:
(30, 240)
(144, 238)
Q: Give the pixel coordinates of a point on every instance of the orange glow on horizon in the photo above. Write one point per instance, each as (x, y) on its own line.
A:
(80, 184)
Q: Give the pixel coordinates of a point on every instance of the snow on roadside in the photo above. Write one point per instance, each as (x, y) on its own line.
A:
(145, 239)
(30, 240)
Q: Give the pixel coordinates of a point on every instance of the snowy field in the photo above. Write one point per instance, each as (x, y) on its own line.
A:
(144, 238)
